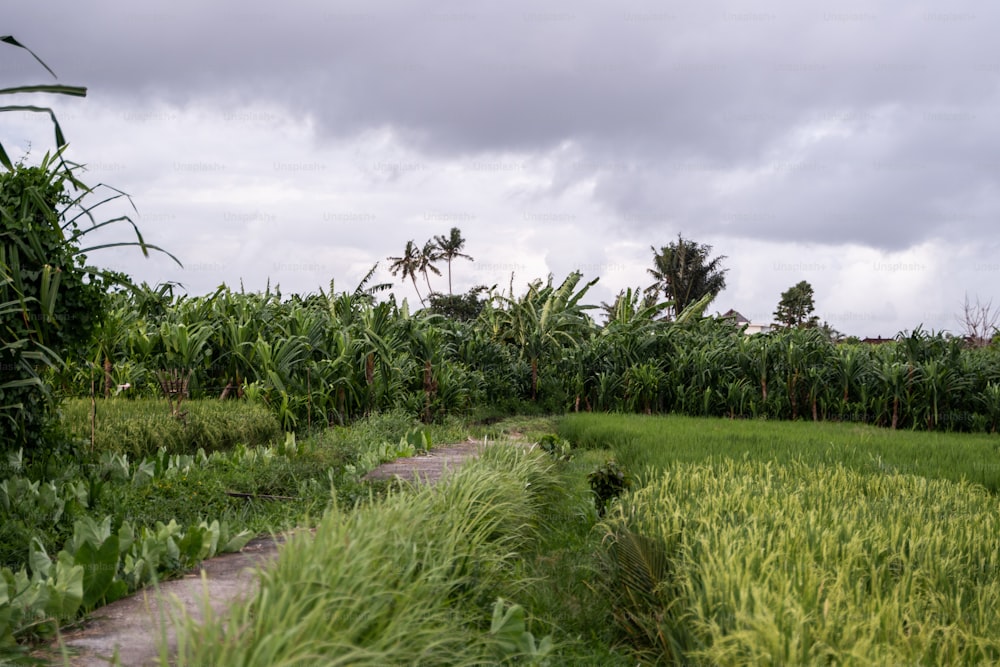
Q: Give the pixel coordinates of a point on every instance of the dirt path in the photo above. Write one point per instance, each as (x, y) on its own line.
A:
(133, 626)
(430, 466)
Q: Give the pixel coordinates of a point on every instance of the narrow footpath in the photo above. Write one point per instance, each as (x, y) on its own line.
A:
(132, 627)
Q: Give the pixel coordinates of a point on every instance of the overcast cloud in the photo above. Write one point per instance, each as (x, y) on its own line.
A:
(853, 146)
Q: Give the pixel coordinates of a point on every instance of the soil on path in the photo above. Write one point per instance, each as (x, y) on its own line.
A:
(132, 627)
(429, 467)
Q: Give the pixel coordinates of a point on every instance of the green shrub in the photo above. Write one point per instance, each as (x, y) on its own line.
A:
(608, 482)
(558, 448)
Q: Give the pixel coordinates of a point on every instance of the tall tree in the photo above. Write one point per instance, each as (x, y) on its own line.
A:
(979, 322)
(409, 264)
(796, 306)
(451, 247)
(684, 272)
(428, 255)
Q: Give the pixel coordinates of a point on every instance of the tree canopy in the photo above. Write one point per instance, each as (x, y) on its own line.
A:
(450, 247)
(684, 272)
(796, 306)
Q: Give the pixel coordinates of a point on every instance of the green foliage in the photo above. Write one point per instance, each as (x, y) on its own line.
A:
(49, 301)
(100, 565)
(118, 523)
(608, 482)
(684, 273)
(558, 448)
(513, 640)
(796, 306)
(460, 307)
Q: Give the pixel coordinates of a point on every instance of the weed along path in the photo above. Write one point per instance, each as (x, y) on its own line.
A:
(131, 628)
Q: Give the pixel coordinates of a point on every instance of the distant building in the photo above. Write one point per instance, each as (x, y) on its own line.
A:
(740, 321)
(877, 341)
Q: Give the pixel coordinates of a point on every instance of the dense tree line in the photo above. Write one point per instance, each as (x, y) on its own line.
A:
(331, 357)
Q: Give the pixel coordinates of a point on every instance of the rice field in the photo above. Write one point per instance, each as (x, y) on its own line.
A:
(781, 544)
(641, 442)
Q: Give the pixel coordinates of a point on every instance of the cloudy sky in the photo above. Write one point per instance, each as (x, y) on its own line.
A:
(852, 145)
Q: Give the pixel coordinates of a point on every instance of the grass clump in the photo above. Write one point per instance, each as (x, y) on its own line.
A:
(413, 579)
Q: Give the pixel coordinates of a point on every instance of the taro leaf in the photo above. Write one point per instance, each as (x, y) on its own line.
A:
(193, 546)
(507, 626)
(144, 472)
(88, 531)
(66, 589)
(173, 551)
(79, 493)
(100, 565)
(213, 531)
(38, 560)
(116, 591)
(237, 542)
(126, 537)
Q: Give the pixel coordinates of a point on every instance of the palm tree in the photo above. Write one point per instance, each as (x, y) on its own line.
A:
(409, 264)
(451, 247)
(684, 273)
(428, 255)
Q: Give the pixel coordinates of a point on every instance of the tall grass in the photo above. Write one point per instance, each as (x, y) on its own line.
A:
(409, 580)
(140, 427)
(642, 442)
(745, 562)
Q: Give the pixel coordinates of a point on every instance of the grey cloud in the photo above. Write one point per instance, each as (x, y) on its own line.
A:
(681, 116)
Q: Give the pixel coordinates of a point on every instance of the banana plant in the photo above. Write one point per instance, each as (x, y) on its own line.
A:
(642, 386)
(894, 378)
(940, 382)
(545, 319)
(187, 346)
